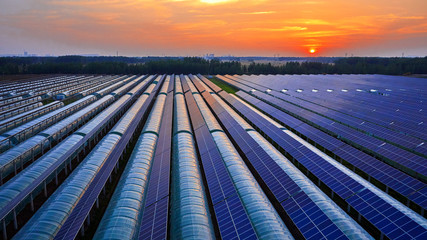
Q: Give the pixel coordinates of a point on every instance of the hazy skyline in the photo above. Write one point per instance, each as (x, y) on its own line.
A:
(193, 27)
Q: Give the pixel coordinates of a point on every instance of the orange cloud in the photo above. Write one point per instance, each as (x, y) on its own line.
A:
(194, 27)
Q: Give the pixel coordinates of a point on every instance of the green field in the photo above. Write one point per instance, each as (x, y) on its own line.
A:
(225, 86)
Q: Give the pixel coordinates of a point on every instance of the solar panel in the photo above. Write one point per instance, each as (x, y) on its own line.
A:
(276, 180)
(403, 158)
(155, 213)
(171, 83)
(337, 112)
(342, 185)
(211, 85)
(155, 220)
(382, 172)
(232, 220)
(185, 86)
(76, 218)
(298, 207)
(158, 186)
(368, 154)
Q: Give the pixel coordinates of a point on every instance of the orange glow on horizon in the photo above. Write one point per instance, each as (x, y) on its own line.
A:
(222, 27)
(214, 1)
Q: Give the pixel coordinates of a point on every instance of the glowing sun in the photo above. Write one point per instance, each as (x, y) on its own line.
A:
(312, 50)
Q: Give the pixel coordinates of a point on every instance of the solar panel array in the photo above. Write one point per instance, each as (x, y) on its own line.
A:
(155, 214)
(169, 156)
(229, 211)
(309, 125)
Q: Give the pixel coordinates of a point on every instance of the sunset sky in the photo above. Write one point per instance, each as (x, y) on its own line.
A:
(196, 27)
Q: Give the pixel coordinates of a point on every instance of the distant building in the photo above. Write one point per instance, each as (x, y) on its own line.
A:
(209, 56)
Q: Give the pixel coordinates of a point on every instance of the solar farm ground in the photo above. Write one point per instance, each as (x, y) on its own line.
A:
(213, 157)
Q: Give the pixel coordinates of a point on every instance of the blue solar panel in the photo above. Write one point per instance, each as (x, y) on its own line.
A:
(234, 83)
(155, 220)
(204, 142)
(79, 213)
(309, 218)
(219, 182)
(232, 219)
(71, 152)
(155, 213)
(277, 181)
(319, 137)
(345, 187)
(419, 197)
(233, 222)
(310, 112)
(158, 186)
(392, 223)
(392, 178)
(212, 85)
(378, 135)
(196, 116)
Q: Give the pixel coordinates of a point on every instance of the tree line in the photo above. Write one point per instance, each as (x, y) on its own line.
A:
(168, 65)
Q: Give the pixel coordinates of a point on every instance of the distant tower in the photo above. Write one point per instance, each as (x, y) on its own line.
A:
(25, 53)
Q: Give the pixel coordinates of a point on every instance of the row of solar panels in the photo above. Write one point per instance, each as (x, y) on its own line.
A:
(305, 123)
(16, 130)
(27, 107)
(206, 164)
(45, 84)
(97, 83)
(29, 84)
(43, 87)
(14, 103)
(379, 142)
(400, 108)
(33, 179)
(343, 187)
(27, 97)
